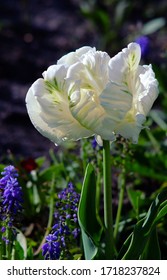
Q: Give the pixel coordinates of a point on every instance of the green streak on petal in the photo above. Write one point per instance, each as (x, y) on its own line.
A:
(53, 89)
(127, 92)
(52, 86)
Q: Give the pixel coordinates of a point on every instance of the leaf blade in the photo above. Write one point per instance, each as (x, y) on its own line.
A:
(87, 216)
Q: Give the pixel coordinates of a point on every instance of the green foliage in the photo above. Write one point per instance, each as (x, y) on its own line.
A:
(136, 198)
(146, 183)
(119, 22)
(153, 25)
(90, 226)
(138, 244)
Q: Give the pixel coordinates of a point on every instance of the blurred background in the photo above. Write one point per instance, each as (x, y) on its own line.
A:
(35, 33)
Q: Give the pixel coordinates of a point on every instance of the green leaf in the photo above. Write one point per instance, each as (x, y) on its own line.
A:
(2, 166)
(18, 251)
(145, 171)
(159, 117)
(152, 249)
(153, 25)
(120, 10)
(162, 212)
(124, 247)
(90, 249)
(46, 174)
(21, 244)
(30, 255)
(161, 76)
(90, 227)
(143, 229)
(40, 161)
(20, 247)
(135, 197)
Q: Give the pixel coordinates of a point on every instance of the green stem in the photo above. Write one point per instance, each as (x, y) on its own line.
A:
(50, 218)
(1, 247)
(9, 246)
(98, 188)
(98, 196)
(84, 155)
(108, 215)
(121, 187)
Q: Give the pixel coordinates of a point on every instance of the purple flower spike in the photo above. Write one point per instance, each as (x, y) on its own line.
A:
(66, 230)
(10, 197)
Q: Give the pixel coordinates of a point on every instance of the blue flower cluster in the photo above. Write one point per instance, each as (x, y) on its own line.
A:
(10, 199)
(66, 230)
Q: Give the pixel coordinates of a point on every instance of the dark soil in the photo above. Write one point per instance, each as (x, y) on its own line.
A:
(33, 35)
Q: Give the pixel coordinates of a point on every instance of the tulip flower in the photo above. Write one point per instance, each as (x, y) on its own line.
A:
(88, 93)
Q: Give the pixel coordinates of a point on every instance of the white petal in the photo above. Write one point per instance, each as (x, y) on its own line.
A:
(74, 57)
(125, 61)
(118, 103)
(55, 71)
(149, 89)
(91, 70)
(99, 140)
(114, 104)
(116, 100)
(92, 74)
(96, 62)
(131, 129)
(129, 96)
(49, 111)
(85, 109)
(90, 114)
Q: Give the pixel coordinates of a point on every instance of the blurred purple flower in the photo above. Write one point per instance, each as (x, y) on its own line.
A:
(94, 143)
(144, 43)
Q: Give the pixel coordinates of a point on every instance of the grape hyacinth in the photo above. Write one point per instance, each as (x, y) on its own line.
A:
(65, 232)
(10, 201)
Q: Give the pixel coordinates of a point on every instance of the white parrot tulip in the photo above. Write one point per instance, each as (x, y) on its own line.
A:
(88, 93)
